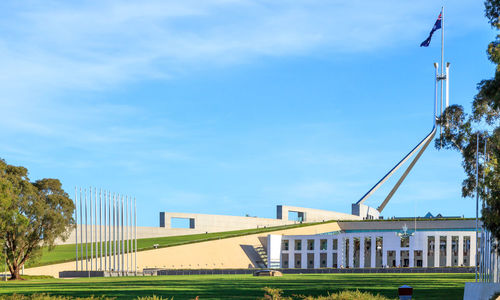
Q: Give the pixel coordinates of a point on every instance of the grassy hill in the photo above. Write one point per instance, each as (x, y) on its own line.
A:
(65, 253)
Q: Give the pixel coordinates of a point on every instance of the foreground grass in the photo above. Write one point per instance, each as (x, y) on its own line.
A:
(426, 286)
(64, 253)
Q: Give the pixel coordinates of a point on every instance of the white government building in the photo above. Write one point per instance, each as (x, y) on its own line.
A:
(381, 243)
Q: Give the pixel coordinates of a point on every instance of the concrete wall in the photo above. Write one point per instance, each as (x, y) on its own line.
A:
(312, 214)
(397, 224)
(365, 211)
(480, 290)
(237, 252)
(202, 223)
(142, 232)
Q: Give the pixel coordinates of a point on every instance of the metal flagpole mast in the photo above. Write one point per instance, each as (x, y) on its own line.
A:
(118, 258)
(130, 229)
(95, 226)
(477, 199)
(436, 66)
(114, 233)
(109, 230)
(76, 229)
(86, 235)
(486, 235)
(105, 236)
(81, 231)
(123, 245)
(118, 232)
(100, 229)
(442, 65)
(126, 232)
(91, 238)
(135, 235)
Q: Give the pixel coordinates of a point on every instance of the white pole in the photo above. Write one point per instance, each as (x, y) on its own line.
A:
(447, 84)
(118, 232)
(477, 200)
(105, 236)
(86, 235)
(135, 235)
(126, 232)
(442, 67)
(442, 55)
(100, 229)
(109, 232)
(114, 233)
(123, 245)
(81, 231)
(489, 257)
(487, 240)
(91, 237)
(76, 229)
(95, 226)
(436, 67)
(130, 229)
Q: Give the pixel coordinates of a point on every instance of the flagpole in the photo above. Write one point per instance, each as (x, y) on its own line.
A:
(442, 66)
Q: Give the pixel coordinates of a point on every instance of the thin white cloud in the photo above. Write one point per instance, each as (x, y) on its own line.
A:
(50, 50)
(95, 45)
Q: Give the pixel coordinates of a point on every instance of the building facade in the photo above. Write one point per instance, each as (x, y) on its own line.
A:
(378, 244)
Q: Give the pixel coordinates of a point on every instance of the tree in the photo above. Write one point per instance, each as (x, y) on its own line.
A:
(33, 215)
(461, 131)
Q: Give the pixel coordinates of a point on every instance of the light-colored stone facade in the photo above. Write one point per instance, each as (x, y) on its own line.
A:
(379, 244)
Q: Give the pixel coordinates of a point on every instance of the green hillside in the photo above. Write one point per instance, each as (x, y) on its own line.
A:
(65, 253)
(429, 286)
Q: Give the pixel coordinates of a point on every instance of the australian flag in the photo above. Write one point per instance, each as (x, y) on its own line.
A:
(437, 26)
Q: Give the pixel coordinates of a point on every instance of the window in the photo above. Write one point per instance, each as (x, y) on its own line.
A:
(298, 245)
(285, 245)
(310, 244)
(323, 245)
(405, 242)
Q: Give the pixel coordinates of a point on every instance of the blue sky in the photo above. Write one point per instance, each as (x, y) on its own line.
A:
(234, 106)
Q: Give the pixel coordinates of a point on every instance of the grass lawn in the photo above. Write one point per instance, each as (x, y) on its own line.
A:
(64, 253)
(426, 286)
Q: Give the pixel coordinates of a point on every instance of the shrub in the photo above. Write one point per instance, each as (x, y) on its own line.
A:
(277, 294)
(349, 295)
(154, 297)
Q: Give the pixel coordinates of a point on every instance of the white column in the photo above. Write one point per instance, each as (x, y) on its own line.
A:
(411, 256)
(398, 257)
(449, 254)
(329, 253)
(384, 251)
(362, 251)
(351, 252)
(340, 252)
(472, 252)
(317, 249)
(373, 251)
(460, 250)
(437, 243)
(303, 253)
(495, 268)
(291, 257)
(424, 252)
